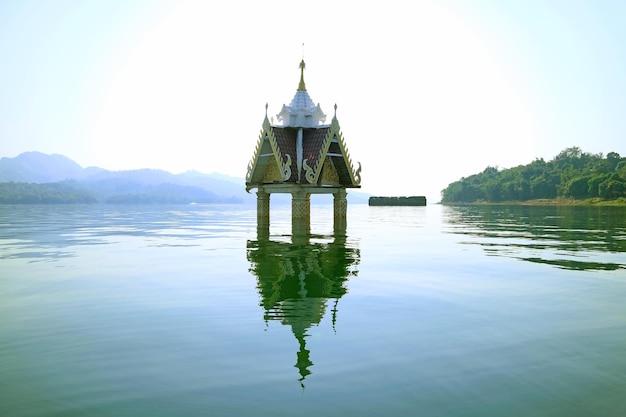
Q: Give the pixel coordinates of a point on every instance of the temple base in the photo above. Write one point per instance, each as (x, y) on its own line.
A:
(301, 208)
(340, 211)
(300, 213)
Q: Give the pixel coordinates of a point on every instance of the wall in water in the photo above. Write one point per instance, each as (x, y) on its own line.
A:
(398, 201)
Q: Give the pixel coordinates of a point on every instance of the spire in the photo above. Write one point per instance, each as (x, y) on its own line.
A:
(301, 86)
(301, 112)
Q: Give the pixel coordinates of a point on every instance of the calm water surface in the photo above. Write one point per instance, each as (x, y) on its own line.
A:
(416, 311)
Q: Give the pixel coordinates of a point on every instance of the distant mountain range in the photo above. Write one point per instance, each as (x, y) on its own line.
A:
(35, 177)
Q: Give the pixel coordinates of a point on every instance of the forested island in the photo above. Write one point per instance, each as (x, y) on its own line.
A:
(572, 174)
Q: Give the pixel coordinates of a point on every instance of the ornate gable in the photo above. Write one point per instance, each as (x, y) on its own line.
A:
(269, 163)
(332, 152)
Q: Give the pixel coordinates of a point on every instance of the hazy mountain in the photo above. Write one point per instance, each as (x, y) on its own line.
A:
(37, 167)
(139, 185)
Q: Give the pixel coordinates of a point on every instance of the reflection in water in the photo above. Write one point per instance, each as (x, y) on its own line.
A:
(567, 237)
(297, 279)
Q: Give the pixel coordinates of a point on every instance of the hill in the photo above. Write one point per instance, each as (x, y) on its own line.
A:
(37, 167)
(571, 174)
(35, 177)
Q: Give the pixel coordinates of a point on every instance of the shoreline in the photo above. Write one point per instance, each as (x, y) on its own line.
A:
(597, 202)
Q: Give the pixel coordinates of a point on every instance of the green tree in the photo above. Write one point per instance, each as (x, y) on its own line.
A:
(493, 190)
(593, 184)
(578, 187)
(572, 173)
(611, 188)
(613, 158)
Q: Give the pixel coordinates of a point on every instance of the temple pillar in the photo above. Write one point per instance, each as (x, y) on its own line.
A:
(263, 212)
(300, 213)
(340, 211)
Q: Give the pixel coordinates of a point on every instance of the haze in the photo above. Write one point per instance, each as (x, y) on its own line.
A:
(427, 91)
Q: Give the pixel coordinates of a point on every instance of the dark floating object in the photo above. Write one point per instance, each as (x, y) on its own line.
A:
(398, 201)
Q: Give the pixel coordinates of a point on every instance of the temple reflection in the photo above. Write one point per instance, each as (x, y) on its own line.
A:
(297, 280)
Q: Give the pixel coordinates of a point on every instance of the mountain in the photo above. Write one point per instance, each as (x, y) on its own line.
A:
(37, 167)
(78, 184)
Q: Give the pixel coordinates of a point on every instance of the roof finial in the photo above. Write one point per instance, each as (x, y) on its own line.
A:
(301, 86)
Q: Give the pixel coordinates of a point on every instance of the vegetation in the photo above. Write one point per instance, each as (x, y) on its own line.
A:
(120, 192)
(50, 193)
(572, 174)
(166, 194)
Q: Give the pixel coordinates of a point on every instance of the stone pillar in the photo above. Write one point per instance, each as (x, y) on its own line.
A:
(263, 212)
(340, 209)
(300, 213)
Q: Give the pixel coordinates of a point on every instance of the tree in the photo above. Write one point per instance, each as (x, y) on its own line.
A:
(578, 187)
(593, 184)
(572, 173)
(611, 188)
(613, 158)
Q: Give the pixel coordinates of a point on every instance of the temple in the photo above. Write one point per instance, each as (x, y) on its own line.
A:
(301, 155)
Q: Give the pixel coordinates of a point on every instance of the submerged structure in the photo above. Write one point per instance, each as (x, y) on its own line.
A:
(397, 201)
(301, 155)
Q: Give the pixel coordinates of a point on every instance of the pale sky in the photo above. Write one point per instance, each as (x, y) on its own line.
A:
(427, 91)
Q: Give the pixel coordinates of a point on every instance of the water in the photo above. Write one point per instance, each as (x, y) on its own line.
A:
(429, 311)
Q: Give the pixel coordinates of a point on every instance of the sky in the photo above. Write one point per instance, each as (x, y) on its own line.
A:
(427, 92)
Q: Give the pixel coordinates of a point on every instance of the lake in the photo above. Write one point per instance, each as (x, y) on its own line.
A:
(415, 311)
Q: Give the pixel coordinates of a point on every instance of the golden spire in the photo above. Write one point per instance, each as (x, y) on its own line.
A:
(301, 86)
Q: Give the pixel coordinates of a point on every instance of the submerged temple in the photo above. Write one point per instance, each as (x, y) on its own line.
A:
(301, 155)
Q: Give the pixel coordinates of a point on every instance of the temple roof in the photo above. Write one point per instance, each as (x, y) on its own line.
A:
(323, 159)
(302, 150)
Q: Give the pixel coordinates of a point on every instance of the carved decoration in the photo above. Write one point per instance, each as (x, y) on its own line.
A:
(286, 167)
(301, 206)
(329, 173)
(309, 174)
(355, 176)
(255, 156)
(272, 173)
